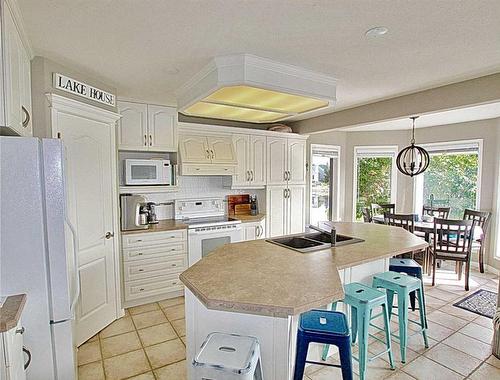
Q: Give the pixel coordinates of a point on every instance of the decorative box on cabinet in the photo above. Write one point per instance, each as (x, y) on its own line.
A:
(152, 263)
(146, 127)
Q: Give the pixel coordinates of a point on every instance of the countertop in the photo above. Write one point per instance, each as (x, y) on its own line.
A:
(11, 311)
(249, 218)
(258, 277)
(163, 225)
(173, 224)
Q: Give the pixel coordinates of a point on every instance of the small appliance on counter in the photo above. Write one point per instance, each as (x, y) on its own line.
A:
(148, 172)
(134, 212)
(152, 217)
(254, 206)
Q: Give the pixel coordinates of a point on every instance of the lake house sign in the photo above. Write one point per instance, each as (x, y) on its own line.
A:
(73, 86)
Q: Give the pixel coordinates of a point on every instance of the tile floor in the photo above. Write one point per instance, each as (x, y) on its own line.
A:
(146, 344)
(149, 342)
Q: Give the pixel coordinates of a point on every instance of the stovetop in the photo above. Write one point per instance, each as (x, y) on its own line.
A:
(210, 221)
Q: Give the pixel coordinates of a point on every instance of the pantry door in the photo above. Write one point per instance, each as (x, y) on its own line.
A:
(88, 135)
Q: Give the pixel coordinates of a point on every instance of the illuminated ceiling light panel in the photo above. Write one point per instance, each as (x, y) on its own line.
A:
(257, 90)
(222, 111)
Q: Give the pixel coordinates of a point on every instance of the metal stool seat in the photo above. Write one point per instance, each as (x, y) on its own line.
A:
(228, 356)
(327, 327)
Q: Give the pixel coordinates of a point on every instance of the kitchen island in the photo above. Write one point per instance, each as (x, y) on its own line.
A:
(258, 288)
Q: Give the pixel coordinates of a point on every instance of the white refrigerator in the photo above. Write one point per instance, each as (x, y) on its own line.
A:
(33, 253)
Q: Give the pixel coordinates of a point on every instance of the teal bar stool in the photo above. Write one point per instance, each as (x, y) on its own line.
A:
(362, 300)
(403, 284)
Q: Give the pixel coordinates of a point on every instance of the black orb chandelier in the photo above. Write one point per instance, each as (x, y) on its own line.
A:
(413, 160)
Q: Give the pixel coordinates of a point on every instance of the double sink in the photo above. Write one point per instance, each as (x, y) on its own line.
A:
(313, 241)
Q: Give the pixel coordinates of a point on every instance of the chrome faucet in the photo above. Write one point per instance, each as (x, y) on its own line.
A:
(332, 233)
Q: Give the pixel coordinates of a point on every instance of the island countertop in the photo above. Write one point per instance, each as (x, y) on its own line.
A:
(259, 277)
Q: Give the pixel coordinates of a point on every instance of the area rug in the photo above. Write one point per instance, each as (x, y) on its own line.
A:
(482, 302)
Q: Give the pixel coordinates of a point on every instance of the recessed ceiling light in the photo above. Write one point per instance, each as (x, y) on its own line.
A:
(377, 31)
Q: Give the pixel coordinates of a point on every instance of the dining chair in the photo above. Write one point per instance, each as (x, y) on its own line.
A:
(452, 240)
(367, 215)
(406, 221)
(382, 208)
(438, 212)
(482, 219)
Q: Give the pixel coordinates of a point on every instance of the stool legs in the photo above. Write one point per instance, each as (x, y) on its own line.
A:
(346, 361)
(423, 316)
(300, 357)
(387, 325)
(363, 325)
(354, 324)
(403, 324)
(326, 347)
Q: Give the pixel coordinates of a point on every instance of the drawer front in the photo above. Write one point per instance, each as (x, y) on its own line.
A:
(135, 270)
(155, 252)
(153, 238)
(147, 288)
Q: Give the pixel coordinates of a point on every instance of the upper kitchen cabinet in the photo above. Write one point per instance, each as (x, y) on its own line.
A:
(133, 126)
(286, 161)
(16, 62)
(145, 127)
(251, 156)
(207, 155)
(162, 126)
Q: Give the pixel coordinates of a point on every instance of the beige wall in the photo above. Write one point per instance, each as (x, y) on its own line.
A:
(488, 130)
(41, 84)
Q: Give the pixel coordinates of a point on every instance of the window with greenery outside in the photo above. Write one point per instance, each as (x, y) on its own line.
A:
(451, 179)
(374, 182)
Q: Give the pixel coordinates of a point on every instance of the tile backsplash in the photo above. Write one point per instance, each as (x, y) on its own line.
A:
(198, 187)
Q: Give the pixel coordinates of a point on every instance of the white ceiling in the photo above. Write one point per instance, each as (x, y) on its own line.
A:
(147, 49)
(461, 115)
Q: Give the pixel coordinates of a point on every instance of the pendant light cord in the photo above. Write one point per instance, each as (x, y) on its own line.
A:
(413, 130)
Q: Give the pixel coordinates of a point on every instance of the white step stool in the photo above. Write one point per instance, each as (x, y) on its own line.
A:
(228, 357)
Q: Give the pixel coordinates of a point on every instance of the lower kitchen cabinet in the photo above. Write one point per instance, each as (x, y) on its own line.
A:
(254, 230)
(12, 355)
(285, 209)
(152, 263)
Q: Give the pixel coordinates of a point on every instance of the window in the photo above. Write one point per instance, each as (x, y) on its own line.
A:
(374, 177)
(324, 183)
(452, 179)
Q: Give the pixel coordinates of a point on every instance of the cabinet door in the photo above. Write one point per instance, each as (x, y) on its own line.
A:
(12, 60)
(257, 160)
(14, 356)
(250, 231)
(296, 162)
(241, 147)
(194, 149)
(276, 210)
(25, 81)
(90, 169)
(162, 126)
(133, 126)
(221, 149)
(296, 209)
(276, 160)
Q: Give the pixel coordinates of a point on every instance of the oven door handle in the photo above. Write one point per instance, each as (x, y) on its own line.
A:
(223, 232)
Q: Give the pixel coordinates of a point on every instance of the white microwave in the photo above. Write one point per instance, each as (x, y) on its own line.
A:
(149, 172)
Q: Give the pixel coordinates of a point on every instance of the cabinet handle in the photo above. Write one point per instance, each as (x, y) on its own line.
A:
(26, 121)
(141, 289)
(109, 235)
(145, 140)
(141, 270)
(213, 154)
(139, 254)
(28, 362)
(21, 330)
(251, 171)
(150, 140)
(208, 154)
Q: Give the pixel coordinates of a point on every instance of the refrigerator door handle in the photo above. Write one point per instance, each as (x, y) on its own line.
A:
(75, 264)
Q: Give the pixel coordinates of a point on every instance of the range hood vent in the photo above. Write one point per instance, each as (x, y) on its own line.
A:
(257, 90)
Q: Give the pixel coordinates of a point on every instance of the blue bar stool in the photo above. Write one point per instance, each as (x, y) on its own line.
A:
(327, 327)
(363, 300)
(403, 284)
(412, 268)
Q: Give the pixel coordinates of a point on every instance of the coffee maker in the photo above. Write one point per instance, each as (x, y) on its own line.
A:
(134, 212)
